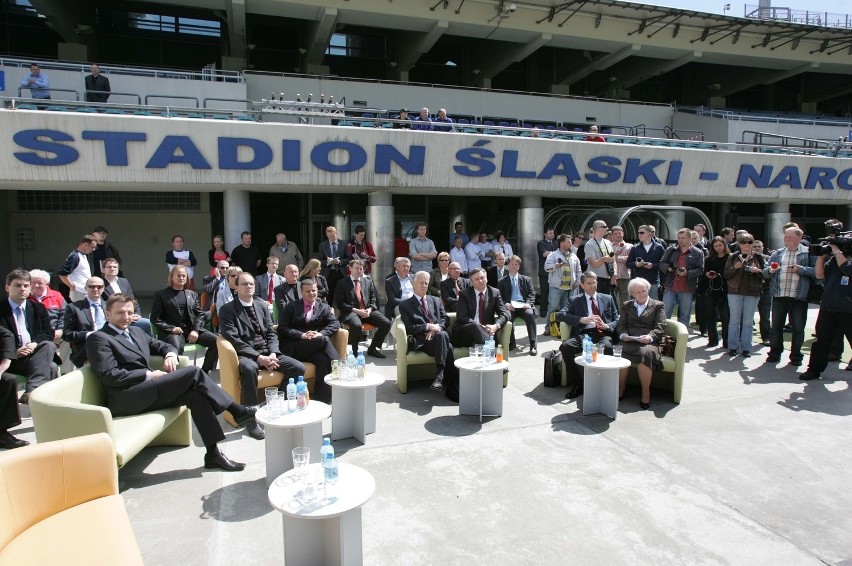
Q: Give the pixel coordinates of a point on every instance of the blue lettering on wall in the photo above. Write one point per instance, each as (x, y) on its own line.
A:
(789, 176)
(673, 178)
(748, 173)
(229, 151)
(357, 157)
(46, 141)
(476, 160)
(115, 144)
(821, 176)
(167, 153)
(292, 155)
(509, 166)
(843, 180)
(414, 164)
(606, 168)
(635, 169)
(561, 164)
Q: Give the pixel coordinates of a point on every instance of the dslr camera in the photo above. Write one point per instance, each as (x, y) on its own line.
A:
(834, 235)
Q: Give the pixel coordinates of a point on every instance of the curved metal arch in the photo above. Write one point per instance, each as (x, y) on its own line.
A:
(621, 216)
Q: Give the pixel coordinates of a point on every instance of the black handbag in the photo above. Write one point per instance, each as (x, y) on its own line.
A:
(553, 369)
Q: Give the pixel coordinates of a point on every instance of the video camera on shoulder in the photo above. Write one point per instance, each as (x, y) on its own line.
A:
(834, 235)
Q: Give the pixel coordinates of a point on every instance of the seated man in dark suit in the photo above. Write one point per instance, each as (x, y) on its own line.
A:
(84, 317)
(517, 288)
(498, 271)
(357, 301)
(115, 284)
(10, 413)
(289, 290)
(399, 286)
(30, 324)
(177, 314)
(120, 355)
(212, 283)
(426, 324)
(590, 313)
(247, 324)
(304, 331)
(481, 312)
(452, 286)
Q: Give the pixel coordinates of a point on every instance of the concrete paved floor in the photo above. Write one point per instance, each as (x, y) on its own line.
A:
(752, 467)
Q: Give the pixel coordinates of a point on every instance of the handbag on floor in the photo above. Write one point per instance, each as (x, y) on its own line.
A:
(553, 369)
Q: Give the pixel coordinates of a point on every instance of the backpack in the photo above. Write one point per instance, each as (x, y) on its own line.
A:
(553, 324)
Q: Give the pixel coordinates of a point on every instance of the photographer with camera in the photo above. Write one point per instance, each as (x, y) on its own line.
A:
(680, 267)
(835, 307)
(744, 274)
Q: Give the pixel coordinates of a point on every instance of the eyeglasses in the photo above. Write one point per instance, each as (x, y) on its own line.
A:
(443, 260)
(94, 286)
(233, 275)
(642, 232)
(246, 284)
(223, 268)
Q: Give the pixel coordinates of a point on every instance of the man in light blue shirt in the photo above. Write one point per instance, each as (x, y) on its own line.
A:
(37, 82)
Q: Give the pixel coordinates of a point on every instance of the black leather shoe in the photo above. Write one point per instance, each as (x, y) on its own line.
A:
(438, 384)
(746, 354)
(795, 363)
(9, 442)
(712, 343)
(533, 351)
(574, 393)
(808, 376)
(222, 462)
(773, 359)
(253, 429)
(248, 417)
(373, 352)
(25, 399)
(732, 353)
(644, 406)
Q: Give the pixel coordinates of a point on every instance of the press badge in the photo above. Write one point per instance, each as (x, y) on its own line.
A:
(844, 280)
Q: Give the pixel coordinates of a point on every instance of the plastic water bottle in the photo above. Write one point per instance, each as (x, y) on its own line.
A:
(361, 364)
(350, 366)
(492, 349)
(301, 394)
(329, 465)
(587, 349)
(326, 448)
(292, 396)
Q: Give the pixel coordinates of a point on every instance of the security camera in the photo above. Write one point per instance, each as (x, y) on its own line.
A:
(510, 7)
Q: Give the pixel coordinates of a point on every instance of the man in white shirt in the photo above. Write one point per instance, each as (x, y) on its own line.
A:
(600, 257)
(517, 289)
(398, 286)
(473, 253)
(76, 269)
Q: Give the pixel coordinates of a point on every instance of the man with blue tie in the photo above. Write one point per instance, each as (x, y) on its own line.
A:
(590, 313)
(82, 318)
(519, 295)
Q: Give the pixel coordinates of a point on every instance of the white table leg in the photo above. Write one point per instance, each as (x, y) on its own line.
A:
(468, 393)
(279, 452)
(343, 412)
(591, 391)
(370, 410)
(609, 393)
(335, 541)
(492, 394)
(600, 391)
(359, 414)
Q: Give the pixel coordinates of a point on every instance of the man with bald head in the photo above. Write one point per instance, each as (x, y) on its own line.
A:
(289, 290)
(286, 251)
(452, 286)
(83, 318)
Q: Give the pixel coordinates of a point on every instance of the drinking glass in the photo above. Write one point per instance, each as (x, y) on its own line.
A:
(616, 352)
(335, 369)
(272, 404)
(301, 455)
(600, 348)
(478, 350)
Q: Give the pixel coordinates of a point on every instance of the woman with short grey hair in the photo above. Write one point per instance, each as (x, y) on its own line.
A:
(640, 330)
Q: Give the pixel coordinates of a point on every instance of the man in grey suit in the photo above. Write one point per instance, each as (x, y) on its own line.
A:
(120, 356)
(398, 286)
(518, 289)
(357, 302)
(333, 258)
(83, 318)
(115, 284)
(590, 313)
(247, 324)
(264, 285)
(481, 312)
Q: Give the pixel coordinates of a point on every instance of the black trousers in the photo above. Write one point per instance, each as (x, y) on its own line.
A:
(572, 348)
(194, 389)
(248, 375)
(469, 334)
(528, 315)
(440, 348)
(355, 322)
(318, 351)
(205, 338)
(10, 414)
(828, 325)
(38, 366)
(543, 287)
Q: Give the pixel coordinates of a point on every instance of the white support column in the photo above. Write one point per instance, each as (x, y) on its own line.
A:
(530, 231)
(380, 233)
(777, 214)
(236, 204)
(341, 216)
(457, 210)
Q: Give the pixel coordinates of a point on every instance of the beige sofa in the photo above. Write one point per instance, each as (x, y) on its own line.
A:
(670, 377)
(59, 504)
(229, 369)
(75, 405)
(418, 366)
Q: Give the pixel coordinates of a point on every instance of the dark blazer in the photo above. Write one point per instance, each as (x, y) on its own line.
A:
(322, 286)
(344, 295)
(38, 322)
(652, 256)
(495, 309)
(435, 283)
(393, 293)
(77, 326)
(124, 286)
(325, 252)
(165, 313)
(652, 321)
(525, 285)
(541, 247)
(261, 285)
(492, 275)
(292, 323)
(235, 326)
(285, 293)
(448, 292)
(578, 307)
(414, 319)
(122, 368)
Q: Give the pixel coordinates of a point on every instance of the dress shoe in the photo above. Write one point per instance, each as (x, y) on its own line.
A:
(574, 393)
(9, 442)
(808, 376)
(773, 359)
(376, 353)
(219, 461)
(533, 351)
(255, 431)
(438, 384)
(712, 343)
(795, 363)
(732, 353)
(849, 367)
(746, 354)
(248, 417)
(644, 406)
(25, 399)
(834, 358)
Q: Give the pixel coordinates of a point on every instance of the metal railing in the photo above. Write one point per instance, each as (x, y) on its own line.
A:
(806, 17)
(206, 74)
(766, 116)
(112, 93)
(148, 97)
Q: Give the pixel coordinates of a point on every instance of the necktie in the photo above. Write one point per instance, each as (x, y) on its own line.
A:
(127, 337)
(515, 290)
(334, 249)
(21, 322)
(595, 309)
(425, 309)
(271, 288)
(99, 316)
(482, 308)
(358, 294)
(500, 274)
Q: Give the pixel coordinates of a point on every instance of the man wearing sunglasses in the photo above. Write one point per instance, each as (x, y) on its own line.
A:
(83, 318)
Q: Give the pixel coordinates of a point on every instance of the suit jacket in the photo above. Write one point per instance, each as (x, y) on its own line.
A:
(78, 324)
(652, 321)
(165, 313)
(393, 293)
(448, 292)
(495, 309)
(292, 323)
(236, 327)
(124, 286)
(435, 283)
(344, 295)
(578, 307)
(261, 285)
(325, 252)
(525, 285)
(414, 319)
(285, 293)
(38, 322)
(122, 367)
(492, 275)
(541, 247)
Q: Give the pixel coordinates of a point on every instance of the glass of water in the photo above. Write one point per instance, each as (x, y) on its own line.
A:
(301, 455)
(616, 352)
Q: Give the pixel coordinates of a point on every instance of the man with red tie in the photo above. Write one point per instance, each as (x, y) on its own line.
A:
(426, 324)
(357, 301)
(265, 284)
(590, 313)
(481, 312)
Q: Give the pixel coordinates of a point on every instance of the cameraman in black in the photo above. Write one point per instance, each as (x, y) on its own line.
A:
(835, 308)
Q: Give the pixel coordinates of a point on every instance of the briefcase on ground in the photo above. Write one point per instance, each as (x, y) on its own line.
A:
(553, 369)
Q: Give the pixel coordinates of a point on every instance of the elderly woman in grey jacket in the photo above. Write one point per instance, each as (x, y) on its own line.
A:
(640, 330)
